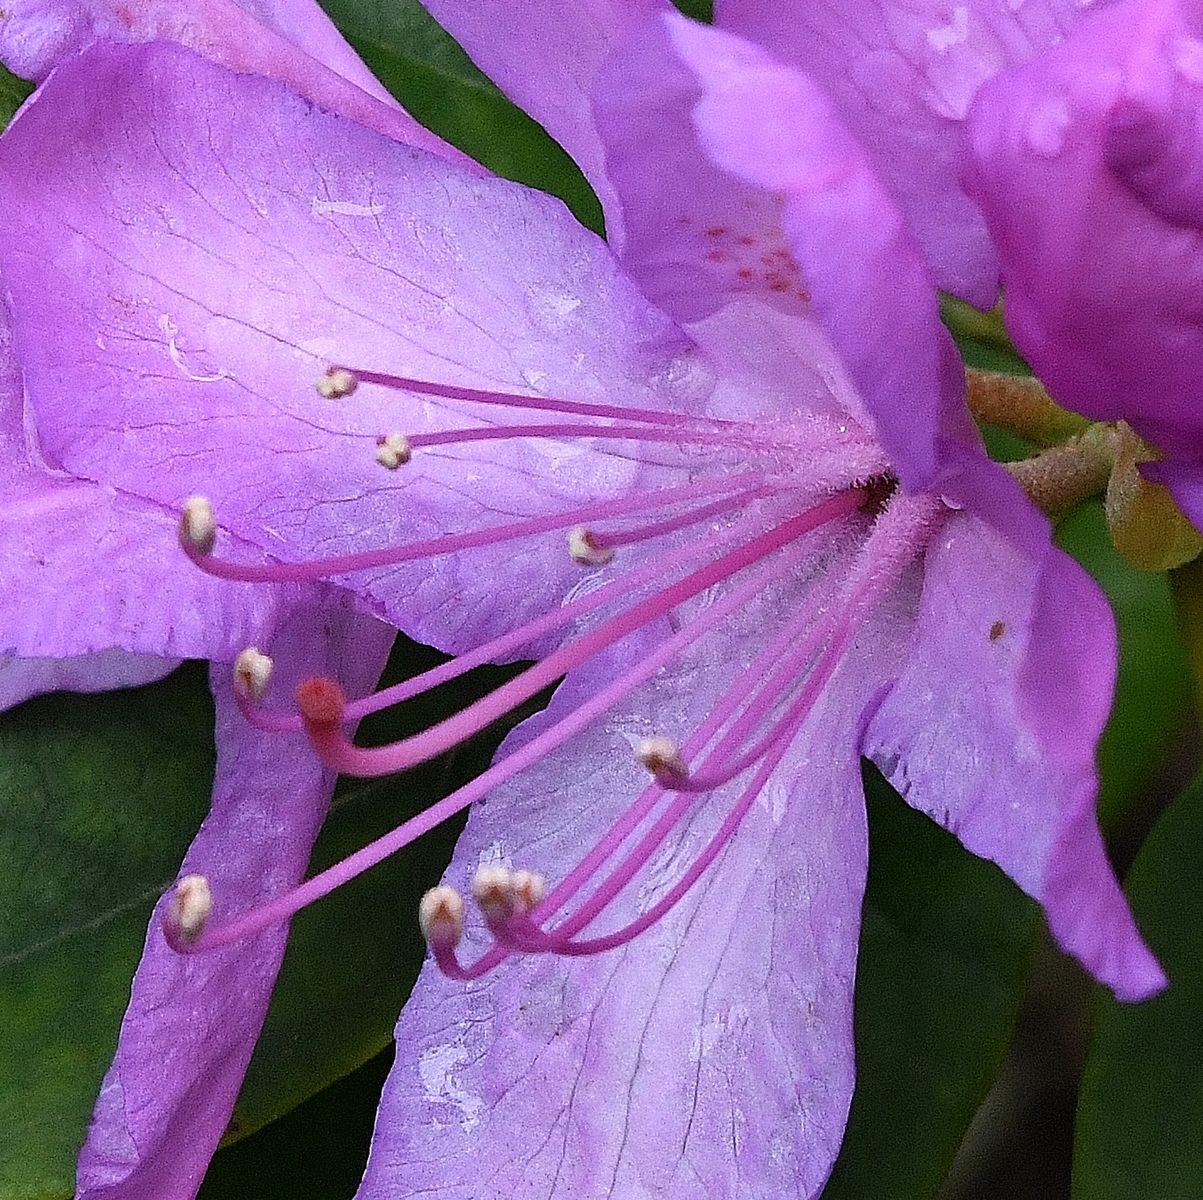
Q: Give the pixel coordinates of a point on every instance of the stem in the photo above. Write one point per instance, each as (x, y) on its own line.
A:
(1020, 404)
(1062, 476)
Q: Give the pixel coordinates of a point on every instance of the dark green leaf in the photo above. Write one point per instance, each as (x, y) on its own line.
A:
(436, 82)
(1140, 1119)
(13, 92)
(1154, 687)
(99, 797)
(316, 1152)
(943, 953)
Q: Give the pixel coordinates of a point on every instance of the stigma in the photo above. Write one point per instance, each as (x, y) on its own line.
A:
(751, 515)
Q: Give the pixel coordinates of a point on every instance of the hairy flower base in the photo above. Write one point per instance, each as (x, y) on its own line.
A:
(726, 547)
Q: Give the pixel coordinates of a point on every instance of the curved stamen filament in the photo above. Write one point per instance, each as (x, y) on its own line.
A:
(675, 436)
(636, 813)
(470, 540)
(508, 643)
(449, 391)
(332, 745)
(643, 533)
(900, 531)
(531, 752)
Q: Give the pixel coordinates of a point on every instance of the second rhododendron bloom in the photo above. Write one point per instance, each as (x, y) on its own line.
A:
(754, 546)
(1087, 162)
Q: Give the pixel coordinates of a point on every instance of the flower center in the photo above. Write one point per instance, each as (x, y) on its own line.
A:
(725, 536)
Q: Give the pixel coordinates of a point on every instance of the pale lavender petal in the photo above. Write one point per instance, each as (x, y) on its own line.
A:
(1088, 163)
(902, 74)
(770, 127)
(290, 40)
(88, 570)
(991, 730)
(193, 1020)
(203, 324)
(21, 678)
(708, 247)
(712, 1055)
(545, 56)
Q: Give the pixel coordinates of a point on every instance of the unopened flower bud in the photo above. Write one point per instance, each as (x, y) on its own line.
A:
(585, 549)
(187, 911)
(198, 526)
(252, 673)
(662, 757)
(393, 451)
(441, 916)
(336, 383)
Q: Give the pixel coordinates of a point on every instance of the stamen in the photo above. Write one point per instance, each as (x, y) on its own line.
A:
(662, 757)
(583, 548)
(900, 531)
(187, 911)
(339, 753)
(448, 391)
(539, 746)
(441, 917)
(393, 450)
(505, 645)
(336, 383)
(473, 539)
(252, 674)
(198, 526)
(675, 436)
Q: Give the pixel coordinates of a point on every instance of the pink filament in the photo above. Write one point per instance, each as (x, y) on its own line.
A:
(675, 435)
(334, 748)
(450, 391)
(501, 647)
(473, 539)
(286, 905)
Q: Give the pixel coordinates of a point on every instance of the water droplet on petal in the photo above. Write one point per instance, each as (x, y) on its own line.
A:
(1047, 126)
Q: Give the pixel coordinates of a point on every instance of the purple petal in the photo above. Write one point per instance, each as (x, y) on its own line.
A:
(710, 1056)
(290, 40)
(770, 127)
(89, 570)
(203, 324)
(991, 730)
(545, 57)
(21, 678)
(192, 1021)
(903, 75)
(1086, 161)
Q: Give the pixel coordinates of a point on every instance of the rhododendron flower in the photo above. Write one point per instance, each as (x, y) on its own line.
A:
(1086, 162)
(785, 548)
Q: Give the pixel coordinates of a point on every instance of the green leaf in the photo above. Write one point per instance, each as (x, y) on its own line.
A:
(432, 77)
(13, 93)
(1140, 1118)
(99, 797)
(316, 1152)
(944, 949)
(1153, 691)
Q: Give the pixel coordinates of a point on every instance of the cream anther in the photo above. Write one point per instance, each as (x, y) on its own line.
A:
(393, 451)
(187, 911)
(252, 673)
(583, 547)
(198, 525)
(336, 383)
(662, 757)
(441, 916)
(493, 888)
(529, 889)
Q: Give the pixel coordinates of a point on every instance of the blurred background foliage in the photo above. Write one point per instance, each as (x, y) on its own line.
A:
(99, 797)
